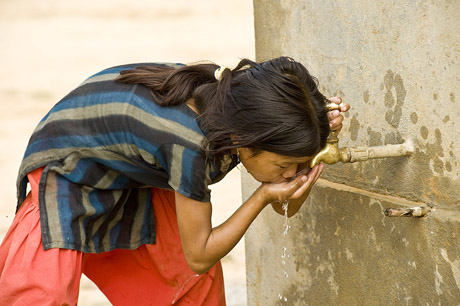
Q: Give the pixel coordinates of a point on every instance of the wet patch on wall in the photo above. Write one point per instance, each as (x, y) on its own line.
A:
(375, 138)
(366, 96)
(427, 176)
(394, 85)
(448, 166)
(393, 138)
(435, 151)
(355, 237)
(429, 158)
(424, 132)
(354, 128)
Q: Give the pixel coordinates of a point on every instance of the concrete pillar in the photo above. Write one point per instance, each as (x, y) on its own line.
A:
(398, 64)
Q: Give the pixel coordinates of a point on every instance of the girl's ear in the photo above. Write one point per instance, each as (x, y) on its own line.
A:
(234, 138)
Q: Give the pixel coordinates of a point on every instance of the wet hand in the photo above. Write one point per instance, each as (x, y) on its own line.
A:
(297, 187)
(335, 117)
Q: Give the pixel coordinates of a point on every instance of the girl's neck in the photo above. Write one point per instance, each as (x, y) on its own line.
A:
(191, 104)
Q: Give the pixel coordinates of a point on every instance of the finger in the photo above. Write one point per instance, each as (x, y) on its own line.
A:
(307, 184)
(337, 128)
(303, 188)
(300, 181)
(345, 107)
(318, 173)
(295, 184)
(302, 172)
(314, 171)
(306, 187)
(333, 114)
(336, 121)
(336, 99)
(306, 178)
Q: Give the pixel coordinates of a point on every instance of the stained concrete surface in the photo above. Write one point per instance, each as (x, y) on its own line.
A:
(398, 65)
(47, 47)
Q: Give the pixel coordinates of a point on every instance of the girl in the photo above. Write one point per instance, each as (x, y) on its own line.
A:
(119, 173)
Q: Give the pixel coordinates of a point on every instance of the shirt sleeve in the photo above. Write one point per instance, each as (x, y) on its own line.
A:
(189, 174)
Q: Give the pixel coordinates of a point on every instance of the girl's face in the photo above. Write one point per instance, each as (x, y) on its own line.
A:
(268, 167)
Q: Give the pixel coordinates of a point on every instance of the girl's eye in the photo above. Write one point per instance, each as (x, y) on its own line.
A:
(282, 167)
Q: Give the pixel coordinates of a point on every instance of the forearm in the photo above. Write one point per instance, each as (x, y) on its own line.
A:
(206, 249)
(204, 246)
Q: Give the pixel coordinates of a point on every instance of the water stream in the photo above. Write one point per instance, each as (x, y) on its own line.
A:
(284, 250)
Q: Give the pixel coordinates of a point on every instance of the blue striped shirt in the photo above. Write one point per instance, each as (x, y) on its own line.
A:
(102, 147)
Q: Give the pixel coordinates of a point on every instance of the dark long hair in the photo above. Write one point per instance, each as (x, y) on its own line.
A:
(274, 105)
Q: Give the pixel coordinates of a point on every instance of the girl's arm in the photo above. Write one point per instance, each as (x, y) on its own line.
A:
(203, 245)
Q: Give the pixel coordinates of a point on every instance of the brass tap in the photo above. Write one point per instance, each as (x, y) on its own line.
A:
(332, 154)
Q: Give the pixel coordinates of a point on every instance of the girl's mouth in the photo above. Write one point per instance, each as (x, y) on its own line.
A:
(301, 172)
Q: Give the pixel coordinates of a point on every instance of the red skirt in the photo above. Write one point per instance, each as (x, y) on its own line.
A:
(149, 275)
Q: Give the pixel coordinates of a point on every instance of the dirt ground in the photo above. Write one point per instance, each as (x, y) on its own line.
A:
(47, 47)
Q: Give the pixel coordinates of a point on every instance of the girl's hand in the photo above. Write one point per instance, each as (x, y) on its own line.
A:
(297, 188)
(335, 117)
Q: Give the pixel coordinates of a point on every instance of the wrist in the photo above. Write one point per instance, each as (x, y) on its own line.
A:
(261, 196)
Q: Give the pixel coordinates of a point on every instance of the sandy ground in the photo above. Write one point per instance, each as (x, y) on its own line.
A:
(47, 47)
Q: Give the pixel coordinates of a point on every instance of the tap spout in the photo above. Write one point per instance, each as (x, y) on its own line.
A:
(351, 155)
(332, 154)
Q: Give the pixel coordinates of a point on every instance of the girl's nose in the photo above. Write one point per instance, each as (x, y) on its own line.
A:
(289, 172)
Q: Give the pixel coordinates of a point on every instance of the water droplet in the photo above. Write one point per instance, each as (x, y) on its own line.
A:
(284, 253)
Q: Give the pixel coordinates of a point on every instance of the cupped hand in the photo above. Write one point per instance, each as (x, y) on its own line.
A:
(292, 189)
(335, 117)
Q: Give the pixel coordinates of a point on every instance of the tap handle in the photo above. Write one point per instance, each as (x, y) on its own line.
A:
(333, 106)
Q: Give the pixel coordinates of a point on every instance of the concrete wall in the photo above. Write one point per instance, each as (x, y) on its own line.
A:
(398, 64)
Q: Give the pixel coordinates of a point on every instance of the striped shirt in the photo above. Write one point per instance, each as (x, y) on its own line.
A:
(102, 147)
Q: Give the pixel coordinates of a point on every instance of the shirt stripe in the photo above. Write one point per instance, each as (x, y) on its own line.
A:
(103, 147)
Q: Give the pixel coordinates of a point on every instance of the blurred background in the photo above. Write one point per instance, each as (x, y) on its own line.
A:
(48, 47)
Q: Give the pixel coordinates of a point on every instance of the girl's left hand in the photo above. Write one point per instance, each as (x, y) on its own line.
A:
(297, 198)
(297, 188)
(335, 117)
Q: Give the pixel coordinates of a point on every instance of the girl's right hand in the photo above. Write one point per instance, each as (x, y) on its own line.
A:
(335, 117)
